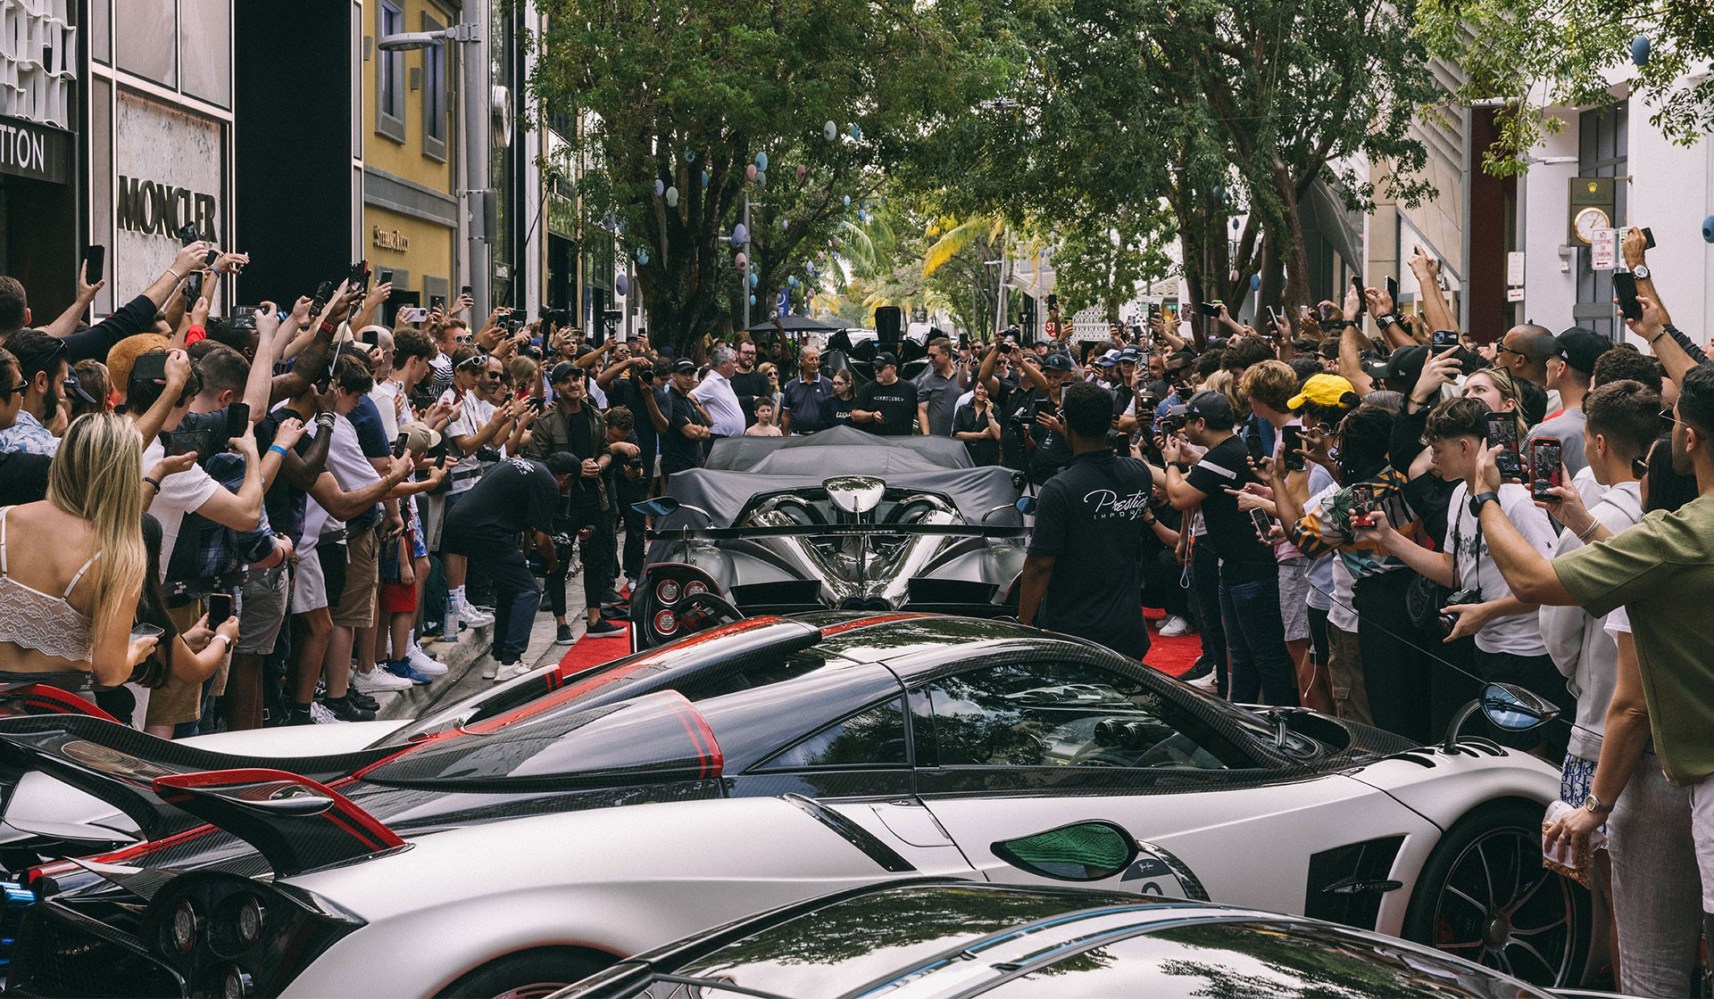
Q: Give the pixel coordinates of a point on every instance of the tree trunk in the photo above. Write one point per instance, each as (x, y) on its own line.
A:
(1295, 255)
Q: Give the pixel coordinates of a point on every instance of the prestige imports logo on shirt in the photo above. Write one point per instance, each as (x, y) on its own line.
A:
(1110, 505)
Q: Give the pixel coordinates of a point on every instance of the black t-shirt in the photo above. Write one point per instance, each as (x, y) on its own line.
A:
(24, 477)
(284, 502)
(513, 496)
(1052, 451)
(967, 420)
(1244, 558)
(623, 392)
(747, 386)
(679, 452)
(1090, 519)
(897, 404)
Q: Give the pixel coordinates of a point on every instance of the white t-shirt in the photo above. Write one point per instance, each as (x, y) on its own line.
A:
(351, 469)
(1516, 634)
(385, 396)
(181, 493)
(716, 395)
(468, 418)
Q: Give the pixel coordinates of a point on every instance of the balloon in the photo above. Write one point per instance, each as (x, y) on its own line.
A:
(660, 187)
(690, 156)
(672, 197)
(762, 161)
(705, 178)
(643, 257)
(830, 131)
(752, 300)
(621, 285)
(750, 173)
(856, 131)
(754, 280)
(1640, 50)
(741, 261)
(802, 172)
(1255, 282)
(848, 201)
(862, 216)
(792, 280)
(1708, 229)
(740, 235)
(761, 178)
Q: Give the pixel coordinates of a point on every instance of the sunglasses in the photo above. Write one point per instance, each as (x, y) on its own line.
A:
(1500, 348)
(1667, 417)
(18, 389)
(461, 339)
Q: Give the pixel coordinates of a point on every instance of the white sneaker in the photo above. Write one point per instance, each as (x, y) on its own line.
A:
(512, 672)
(1210, 683)
(319, 714)
(489, 668)
(376, 681)
(420, 662)
(1174, 627)
(472, 616)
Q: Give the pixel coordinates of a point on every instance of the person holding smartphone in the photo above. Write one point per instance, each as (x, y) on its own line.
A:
(1569, 373)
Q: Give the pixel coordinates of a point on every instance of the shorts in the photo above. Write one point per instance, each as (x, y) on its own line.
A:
(1294, 598)
(262, 610)
(356, 607)
(398, 598)
(1702, 832)
(309, 585)
(1576, 777)
(177, 701)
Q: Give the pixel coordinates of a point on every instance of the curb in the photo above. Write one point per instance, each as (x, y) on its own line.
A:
(459, 658)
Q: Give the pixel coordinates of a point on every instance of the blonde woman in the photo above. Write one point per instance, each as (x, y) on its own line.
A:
(1496, 390)
(66, 606)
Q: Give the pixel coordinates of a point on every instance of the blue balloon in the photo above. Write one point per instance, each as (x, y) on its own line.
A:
(740, 235)
(690, 156)
(753, 280)
(1640, 49)
(1255, 281)
(621, 285)
(856, 131)
(761, 161)
(660, 187)
(752, 300)
(1708, 229)
(705, 178)
(862, 216)
(792, 280)
(848, 201)
(643, 257)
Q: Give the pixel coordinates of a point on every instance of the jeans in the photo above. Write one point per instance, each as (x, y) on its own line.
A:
(1396, 675)
(1205, 603)
(1255, 638)
(516, 597)
(595, 555)
(1657, 896)
(1163, 585)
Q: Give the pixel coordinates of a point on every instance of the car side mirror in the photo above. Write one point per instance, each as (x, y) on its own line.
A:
(1514, 709)
(855, 494)
(660, 506)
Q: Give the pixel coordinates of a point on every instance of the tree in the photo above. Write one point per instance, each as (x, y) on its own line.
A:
(687, 94)
(1537, 54)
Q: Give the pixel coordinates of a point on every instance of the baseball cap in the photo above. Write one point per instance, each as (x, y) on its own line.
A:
(1323, 390)
(1129, 356)
(1405, 365)
(1581, 348)
(420, 437)
(1056, 362)
(563, 463)
(684, 366)
(1205, 405)
(883, 359)
(561, 372)
(1108, 359)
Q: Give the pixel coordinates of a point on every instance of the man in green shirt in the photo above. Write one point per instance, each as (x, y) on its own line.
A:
(1662, 572)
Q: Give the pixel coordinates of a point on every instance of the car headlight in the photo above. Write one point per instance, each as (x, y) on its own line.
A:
(237, 984)
(185, 927)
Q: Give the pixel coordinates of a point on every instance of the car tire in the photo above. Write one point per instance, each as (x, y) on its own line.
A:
(527, 975)
(1484, 896)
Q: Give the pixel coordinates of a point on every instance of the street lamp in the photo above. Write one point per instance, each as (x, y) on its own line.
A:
(475, 151)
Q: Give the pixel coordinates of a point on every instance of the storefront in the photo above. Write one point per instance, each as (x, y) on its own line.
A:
(38, 153)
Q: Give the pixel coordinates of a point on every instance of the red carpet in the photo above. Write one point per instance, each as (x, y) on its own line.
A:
(1172, 656)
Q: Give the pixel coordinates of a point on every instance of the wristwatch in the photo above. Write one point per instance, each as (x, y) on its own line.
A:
(1480, 500)
(1593, 804)
(1641, 271)
(1390, 319)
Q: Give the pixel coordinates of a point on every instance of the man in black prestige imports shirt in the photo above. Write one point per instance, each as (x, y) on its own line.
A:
(1083, 575)
(887, 406)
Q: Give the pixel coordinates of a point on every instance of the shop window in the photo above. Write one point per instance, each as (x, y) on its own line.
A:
(434, 94)
(205, 49)
(144, 32)
(390, 77)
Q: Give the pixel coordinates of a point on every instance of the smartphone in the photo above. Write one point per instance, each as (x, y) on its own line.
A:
(1211, 309)
(323, 292)
(149, 368)
(386, 277)
(1503, 431)
(1357, 284)
(1255, 447)
(358, 276)
(1648, 238)
(1362, 506)
(185, 442)
(1443, 340)
(1291, 439)
(440, 453)
(94, 263)
(399, 444)
(465, 290)
(1625, 290)
(437, 302)
(413, 314)
(1262, 522)
(1546, 453)
(1393, 290)
(219, 609)
(368, 338)
(237, 418)
(146, 630)
(1273, 317)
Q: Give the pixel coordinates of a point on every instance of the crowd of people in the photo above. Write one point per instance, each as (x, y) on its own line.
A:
(267, 515)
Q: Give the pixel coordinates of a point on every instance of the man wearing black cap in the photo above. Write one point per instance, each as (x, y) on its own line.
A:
(1568, 372)
(1092, 517)
(514, 496)
(1249, 577)
(887, 406)
(687, 422)
(1036, 413)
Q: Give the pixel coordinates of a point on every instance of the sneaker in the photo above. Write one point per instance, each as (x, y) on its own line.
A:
(511, 671)
(376, 681)
(473, 616)
(403, 671)
(363, 701)
(424, 664)
(490, 668)
(601, 628)
(562, 636)
(617, 613)
(1174, 627)
(316, 715)
(1209, 684)
(344, 710)
(1204, 667)
(416, 650)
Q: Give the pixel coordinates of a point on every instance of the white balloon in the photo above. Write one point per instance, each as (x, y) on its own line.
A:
(672, 197)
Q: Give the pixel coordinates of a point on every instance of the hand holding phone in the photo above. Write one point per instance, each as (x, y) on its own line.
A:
(1503, 432)
(1291, 441)
(1625, 291)
(237, 418)
(1546, 472)
(94, 264)
(1262, 523)
(219, 609)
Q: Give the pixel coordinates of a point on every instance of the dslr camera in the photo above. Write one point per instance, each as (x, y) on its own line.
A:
(1447, 621)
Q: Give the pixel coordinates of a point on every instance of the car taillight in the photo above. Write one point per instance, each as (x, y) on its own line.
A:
(659, 604)
(667, 591)
(665, 623)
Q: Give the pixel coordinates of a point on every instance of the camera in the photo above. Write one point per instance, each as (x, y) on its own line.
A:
(244, 318)
(646, 376)
(1450, 621)
(488, 454)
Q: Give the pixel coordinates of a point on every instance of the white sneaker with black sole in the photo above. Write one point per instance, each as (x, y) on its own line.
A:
(473, 616)
(490, 668)
(423, 664)
(1174, 626)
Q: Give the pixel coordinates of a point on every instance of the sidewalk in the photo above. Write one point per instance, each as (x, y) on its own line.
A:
(466, 658)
